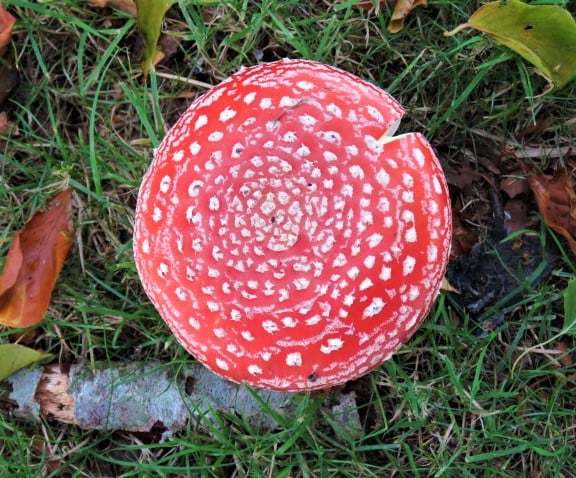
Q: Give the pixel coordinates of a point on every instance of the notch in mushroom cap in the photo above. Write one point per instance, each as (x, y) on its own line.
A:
(285, 239)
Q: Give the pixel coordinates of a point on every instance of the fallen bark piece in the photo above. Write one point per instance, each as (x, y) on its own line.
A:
(23, 394)
(346, 416)
(136, 397)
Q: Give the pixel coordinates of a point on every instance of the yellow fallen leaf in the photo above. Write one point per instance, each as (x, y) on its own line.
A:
(570, 306)
(13, 357)
(34, 262)
(150, 18)
(545, 35)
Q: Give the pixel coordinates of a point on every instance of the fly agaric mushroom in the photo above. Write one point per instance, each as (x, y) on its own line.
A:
(286, 237)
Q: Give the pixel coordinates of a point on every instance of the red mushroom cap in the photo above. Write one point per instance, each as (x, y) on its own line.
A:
(283, 242)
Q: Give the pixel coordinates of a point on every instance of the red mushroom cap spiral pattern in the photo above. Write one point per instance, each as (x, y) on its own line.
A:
(284, 242)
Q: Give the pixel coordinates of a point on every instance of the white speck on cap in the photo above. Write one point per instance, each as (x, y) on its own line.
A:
(294, 359)
(200, 122)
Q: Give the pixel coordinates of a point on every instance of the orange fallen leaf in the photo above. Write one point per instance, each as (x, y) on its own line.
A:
(6, 23)
(402, 9)
(34, 262)
(128, 6)
(556, 200)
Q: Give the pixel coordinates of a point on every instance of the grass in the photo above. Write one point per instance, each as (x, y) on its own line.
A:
(451, 403)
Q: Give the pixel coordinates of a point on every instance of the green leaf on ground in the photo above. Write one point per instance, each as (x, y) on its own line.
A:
(13, 357)
(570, 307)
(545, 35)
(150, 17)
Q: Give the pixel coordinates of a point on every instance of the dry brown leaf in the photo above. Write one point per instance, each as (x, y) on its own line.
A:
(462, 177)
(514, 186)
(9, 79)
(541, 125)
(489, 165)
(34, 262)
(27, 337)
(516, 215)
(556, 200)
(447, 287)
(367, 4)
(401, 10)
(463, 239)
(6, 23)
(565, 359)
(4, 124)
(168, 45)
(128, 6)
